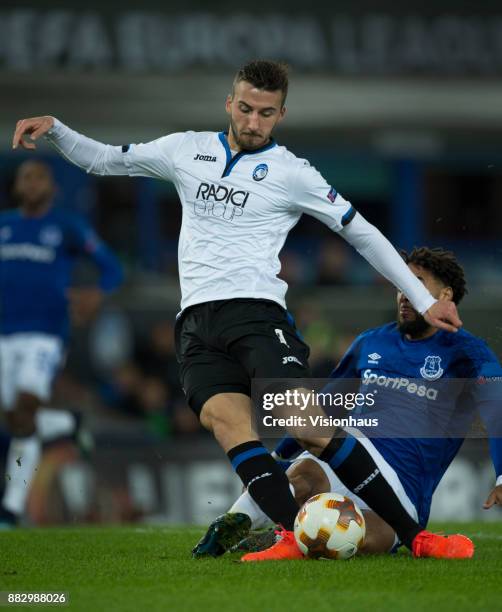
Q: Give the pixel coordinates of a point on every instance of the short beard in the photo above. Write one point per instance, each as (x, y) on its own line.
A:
(239, 141)
(416, 328)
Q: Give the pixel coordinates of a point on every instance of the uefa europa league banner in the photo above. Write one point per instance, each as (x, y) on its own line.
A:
(329, 40)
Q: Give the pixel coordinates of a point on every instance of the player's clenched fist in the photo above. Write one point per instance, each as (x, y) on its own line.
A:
(443, 315)
(495, 497)
(34, 128)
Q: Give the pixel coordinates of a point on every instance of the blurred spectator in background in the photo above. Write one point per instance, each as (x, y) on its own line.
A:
(334, 263)
(156, 355)
(327, 342)
(294, 268)
(147, 385)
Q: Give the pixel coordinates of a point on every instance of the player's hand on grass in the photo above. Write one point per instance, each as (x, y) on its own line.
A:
(443, 315)
(84, 303)
(34, 128)
(495, 497)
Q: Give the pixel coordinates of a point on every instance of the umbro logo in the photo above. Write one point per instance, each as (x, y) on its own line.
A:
(199, 157)
(374, 358)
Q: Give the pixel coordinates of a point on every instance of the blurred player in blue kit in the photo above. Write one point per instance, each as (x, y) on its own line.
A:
(406, 350)
(39, 245)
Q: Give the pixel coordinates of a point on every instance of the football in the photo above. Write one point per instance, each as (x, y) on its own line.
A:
(329, 526)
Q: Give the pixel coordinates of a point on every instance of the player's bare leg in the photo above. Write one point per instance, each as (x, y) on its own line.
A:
(228, 417)
(22, 458)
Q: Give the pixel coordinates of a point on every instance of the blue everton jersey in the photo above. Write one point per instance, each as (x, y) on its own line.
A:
(37, 255)
(431, 400)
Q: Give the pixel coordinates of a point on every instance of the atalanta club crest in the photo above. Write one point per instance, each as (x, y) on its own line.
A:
(432, 370)
(260, 172)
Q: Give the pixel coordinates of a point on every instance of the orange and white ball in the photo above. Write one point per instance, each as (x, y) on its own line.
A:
(329, 526)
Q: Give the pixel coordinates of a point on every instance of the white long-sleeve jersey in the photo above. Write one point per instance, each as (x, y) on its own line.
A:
(238, 211)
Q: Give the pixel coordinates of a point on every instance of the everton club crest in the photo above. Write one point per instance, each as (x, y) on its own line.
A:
(432, 370)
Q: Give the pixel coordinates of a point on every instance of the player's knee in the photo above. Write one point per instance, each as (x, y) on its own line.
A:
(307, 478)
(303, 489)
(313, 445)
(21, 420)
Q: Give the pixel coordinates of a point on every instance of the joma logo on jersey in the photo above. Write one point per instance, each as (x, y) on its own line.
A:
(199, 157)
(220, 193)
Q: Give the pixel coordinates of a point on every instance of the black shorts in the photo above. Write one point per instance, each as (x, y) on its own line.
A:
(222, 345)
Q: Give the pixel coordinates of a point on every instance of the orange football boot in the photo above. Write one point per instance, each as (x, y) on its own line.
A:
(457, 546)
(285, 548)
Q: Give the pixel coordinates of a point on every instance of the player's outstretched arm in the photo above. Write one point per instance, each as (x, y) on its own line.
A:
(154, 159)
(92, 156)
(310, 193)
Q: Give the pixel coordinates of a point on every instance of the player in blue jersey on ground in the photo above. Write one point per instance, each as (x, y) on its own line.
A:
(413, 351)
(39, 245)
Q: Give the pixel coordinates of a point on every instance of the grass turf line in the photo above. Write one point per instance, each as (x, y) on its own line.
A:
(131, 568)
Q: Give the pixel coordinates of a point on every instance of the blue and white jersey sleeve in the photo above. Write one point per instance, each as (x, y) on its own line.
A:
(311, 194)
(86, 242)
(153, 159)
(486, 391)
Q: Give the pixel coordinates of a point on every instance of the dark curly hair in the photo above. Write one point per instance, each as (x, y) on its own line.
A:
(264, 74)
(443, 265)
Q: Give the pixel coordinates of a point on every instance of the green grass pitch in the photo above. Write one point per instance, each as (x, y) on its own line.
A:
(149, 568)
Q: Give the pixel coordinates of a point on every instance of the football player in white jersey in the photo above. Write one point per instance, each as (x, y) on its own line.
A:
(241, 194)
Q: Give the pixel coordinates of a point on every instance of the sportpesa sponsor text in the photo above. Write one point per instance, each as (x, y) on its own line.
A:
(399, 383)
